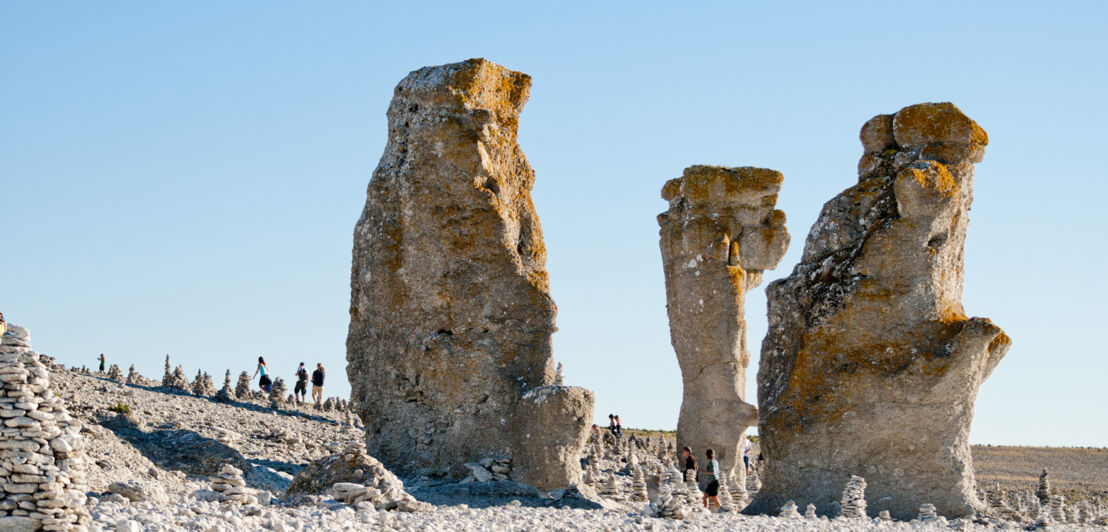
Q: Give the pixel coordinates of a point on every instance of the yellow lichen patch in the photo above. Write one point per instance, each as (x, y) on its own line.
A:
(928, 123)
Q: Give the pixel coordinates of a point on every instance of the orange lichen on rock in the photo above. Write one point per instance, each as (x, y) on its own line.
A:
(870, 365)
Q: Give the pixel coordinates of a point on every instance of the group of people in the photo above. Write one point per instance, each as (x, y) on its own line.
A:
(708, 477)
(614, 426)
(300, 389)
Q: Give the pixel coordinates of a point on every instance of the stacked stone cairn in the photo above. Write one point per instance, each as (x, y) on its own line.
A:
(670, 503)
(559, 377)
(242, 387)
(133, 376)
(884, 515)
(175, 380)
(1057, 507)
(1043, 491)
(788, 511)
(489, 469)
(725, 501)
(693, 488)
(202, 385)
(230, 484)
(114, 373)
(810, 511)
(638, 484)
(927, 514)
(610, 489)
(41, 448)
(754, 481)
(277, 392)
(854, 498)
(226, 394)
(738, 491)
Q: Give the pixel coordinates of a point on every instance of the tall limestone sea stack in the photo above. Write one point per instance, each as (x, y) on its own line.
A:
(449, 349)
(870, 366)
(720, 233)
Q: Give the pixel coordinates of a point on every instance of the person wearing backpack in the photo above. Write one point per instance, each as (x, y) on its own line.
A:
(300, 391)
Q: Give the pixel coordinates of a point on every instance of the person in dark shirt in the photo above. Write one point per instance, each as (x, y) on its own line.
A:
(687, 462)
(300, 391)
(317, 384)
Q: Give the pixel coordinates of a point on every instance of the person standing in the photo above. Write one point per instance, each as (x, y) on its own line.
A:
(300, 391)
(101, 359)
(746, 453)
(264, 383)
(317, 384)
(619, 428)
(687, 462)
(711, 478)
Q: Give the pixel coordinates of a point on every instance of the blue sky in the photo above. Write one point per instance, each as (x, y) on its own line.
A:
(184, 178)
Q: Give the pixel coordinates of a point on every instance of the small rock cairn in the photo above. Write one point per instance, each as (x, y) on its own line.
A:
(277, 392)
(1057, 508)
(693, 489)
(41, 448)
(670, 503)
(230, 484)
(738, 492)
(226, 394)
(638, 485)
(202, 385)
(854, 498)
(927, 514)
(114, 373)
(356, 478)
(788, 511)
(242, 387)
(175, 380)
(810, 511)
(1043, 491)
(610, 489)
(882, 515)
(132, 375)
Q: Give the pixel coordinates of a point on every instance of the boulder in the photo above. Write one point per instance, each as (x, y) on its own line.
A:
(870, 366)
(717, 237)
(450, 312)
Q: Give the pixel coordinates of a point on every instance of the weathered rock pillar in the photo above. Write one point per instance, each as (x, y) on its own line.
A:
(870, 366)
(718, 236)
(449, 346)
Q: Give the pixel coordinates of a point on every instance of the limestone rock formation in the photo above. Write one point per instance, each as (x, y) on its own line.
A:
(42, 466)
(870, 365)
(718, 236)
(449, 351)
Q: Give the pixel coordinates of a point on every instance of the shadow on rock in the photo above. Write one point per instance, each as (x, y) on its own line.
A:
(501, 493)
(177, 449)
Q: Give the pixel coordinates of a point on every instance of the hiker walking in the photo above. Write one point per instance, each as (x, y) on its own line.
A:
(711, 478)
(300, 391)
(264, 383)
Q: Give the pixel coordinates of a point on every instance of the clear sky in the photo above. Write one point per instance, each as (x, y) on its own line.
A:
(184, 177)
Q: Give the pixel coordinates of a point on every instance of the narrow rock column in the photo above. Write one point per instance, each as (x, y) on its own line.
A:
(718, 236)
(870, 365)
(449, 350)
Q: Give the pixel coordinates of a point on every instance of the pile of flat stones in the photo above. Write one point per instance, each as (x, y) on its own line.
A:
(638, 485)
(670, 502)
(854, 498)
(277, 392)
(810, 511)
(226, 394)
(738, 492)
(242, 387)
(230, 484)
(202, 385)
(489, 469)
(175, 380)
(373, 498)
(114, 373)
(41, 449)
(788, 511)
(927, 514)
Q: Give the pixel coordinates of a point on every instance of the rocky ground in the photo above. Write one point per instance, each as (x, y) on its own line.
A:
(151, 469)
